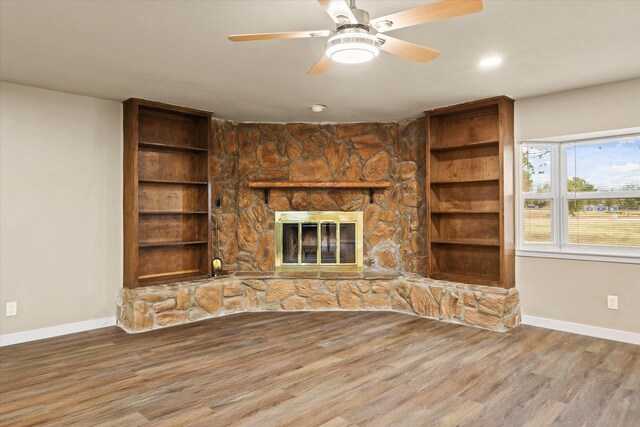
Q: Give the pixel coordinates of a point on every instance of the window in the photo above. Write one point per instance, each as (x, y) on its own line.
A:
(581, 197)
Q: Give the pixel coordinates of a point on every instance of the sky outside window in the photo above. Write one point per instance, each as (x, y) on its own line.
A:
(612, 165)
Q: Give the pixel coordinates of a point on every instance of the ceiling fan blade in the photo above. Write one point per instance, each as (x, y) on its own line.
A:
(427, 13)
(320, 67)
(278, 36)
(339, 11)
(407, 50)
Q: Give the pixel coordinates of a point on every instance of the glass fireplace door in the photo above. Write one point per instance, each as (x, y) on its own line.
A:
(328, 243)
(318, 241)
(290, 243)
(309, 252)
(348, 243)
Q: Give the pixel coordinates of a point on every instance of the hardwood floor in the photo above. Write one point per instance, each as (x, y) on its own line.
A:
(330, 369)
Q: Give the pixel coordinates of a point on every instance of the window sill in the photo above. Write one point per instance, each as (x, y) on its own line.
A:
(581, 256)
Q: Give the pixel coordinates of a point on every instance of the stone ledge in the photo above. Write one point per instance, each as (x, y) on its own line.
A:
(155, 307)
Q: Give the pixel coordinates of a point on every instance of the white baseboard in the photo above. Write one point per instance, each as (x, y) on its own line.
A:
(55, 331)
(558, 325)
(581, 329)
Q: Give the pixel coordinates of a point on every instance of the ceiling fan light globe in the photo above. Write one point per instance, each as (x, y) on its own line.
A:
(352, 47)
(352, 55)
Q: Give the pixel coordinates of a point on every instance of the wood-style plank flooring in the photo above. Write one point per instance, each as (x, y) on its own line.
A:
(329, 369)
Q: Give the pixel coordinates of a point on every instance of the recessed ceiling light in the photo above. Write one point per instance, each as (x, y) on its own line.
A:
(318, 108)
(491, 62)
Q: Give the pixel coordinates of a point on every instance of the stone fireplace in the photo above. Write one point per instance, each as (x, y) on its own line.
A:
(318, 241)
(393, 217)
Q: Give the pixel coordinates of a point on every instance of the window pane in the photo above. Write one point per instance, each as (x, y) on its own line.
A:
(536, 168)
(609, 222)
(608, 165)
(537, 221)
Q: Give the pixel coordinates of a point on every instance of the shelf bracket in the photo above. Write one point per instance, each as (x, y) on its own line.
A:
(266, 196)
(371, 195)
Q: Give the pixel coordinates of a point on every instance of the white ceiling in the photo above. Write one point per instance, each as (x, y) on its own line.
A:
(177, 52)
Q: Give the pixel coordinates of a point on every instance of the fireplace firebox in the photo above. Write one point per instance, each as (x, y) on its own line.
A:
(318, 241)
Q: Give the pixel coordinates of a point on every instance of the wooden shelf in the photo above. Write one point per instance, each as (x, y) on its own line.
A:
(463, 181)
(303, 184)
(167, 181)
(162, 244)
(160, 278)
(467, 146)
(469, 197)
(471, 242)
(173, 212)
(157, 145)
(462, 211)
(477, 279)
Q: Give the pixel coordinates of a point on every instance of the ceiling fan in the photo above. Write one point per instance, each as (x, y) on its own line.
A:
(357, 39)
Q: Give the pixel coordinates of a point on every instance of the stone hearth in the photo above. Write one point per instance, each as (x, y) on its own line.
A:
(154, 307)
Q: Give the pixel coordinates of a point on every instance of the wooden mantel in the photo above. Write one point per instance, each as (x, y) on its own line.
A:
(268, 185)
(307, 184)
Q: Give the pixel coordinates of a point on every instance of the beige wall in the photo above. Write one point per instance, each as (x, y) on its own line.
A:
(571, 290)
(60, 207)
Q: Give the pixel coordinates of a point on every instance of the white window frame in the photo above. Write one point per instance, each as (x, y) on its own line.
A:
(560, 196)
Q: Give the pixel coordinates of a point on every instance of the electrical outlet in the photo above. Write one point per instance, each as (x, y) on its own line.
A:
(12, 309)
(612, 302)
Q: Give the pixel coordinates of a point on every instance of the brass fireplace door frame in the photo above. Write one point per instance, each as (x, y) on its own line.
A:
(319, 217)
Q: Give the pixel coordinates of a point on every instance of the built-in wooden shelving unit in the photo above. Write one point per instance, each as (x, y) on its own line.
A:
(470, 211)
(167, 221)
